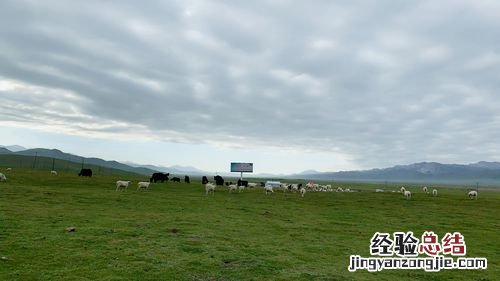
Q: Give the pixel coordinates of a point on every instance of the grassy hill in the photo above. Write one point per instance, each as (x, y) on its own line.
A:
(57, 154)
(47, 164)
(175, 232)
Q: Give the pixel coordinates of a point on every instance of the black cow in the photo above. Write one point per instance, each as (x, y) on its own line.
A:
(204, 180)
(162, 177)
(186, 179)
(242, 182)
(176, 179)
(219, 180)
(85, 173)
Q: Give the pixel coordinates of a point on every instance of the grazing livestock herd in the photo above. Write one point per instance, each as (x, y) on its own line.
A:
(241, 185)
(407, 193)
(144, 185)
(269, 187)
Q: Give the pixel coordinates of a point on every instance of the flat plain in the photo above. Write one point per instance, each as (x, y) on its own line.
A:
(174, 231)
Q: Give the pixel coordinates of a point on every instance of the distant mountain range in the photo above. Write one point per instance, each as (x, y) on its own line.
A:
(13, 148)
(129, 167)
(176, 169)
(425, 172)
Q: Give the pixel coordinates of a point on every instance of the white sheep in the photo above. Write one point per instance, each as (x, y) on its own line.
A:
(268, 188)
(8, 169)
(123, 185)
(53, 173)
(403, 189)
(241, 188)
(252, 184)
(210, 187)
(434, 193)
(143, 185)
(3, 177)
(340, 189)
(302, 191)
(232, 187)
(313, 186)
(407, 194)
(472, 193)
(379, 190)
(285, 186)
(425, 189)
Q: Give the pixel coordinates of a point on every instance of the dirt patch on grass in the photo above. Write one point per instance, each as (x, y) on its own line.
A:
(266, 213)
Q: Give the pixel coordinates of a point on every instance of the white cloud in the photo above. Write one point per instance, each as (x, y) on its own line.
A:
(368, 83)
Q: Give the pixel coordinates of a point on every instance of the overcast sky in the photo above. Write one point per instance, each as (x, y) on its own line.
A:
(288, 85)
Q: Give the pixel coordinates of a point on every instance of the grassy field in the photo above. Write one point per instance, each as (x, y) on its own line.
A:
(176, 232)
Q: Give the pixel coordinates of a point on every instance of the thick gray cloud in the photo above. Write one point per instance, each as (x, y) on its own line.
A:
(384, 82)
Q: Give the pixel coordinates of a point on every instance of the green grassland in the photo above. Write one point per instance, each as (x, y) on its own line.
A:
(175, 232)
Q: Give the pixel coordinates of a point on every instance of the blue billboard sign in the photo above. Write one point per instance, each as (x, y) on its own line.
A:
(242, 167)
